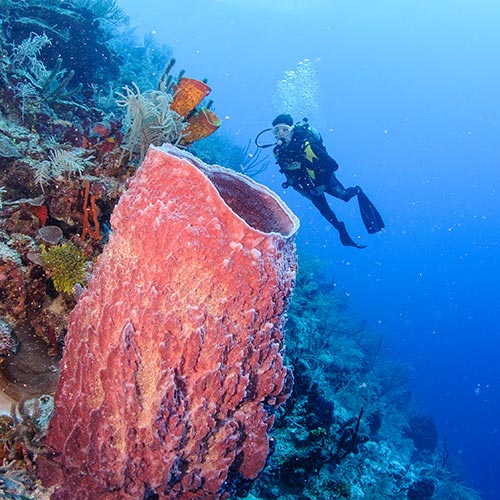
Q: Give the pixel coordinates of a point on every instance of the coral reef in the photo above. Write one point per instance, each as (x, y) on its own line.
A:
(172, 369)
(67, 151)
(20, 435)
(85, 52)
(346, 432)
(422, 489)
(62, 164)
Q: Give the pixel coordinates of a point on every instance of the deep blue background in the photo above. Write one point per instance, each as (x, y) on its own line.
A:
(410, 108)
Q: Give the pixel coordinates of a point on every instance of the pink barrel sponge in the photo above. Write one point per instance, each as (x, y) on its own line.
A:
(173, 362)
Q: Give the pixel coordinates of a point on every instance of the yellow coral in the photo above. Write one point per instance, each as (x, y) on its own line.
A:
(67, 266)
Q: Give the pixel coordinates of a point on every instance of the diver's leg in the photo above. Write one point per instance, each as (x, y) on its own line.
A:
(336, 188)
(322, 205)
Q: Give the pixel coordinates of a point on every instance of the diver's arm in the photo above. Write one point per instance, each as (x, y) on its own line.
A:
(287, 167)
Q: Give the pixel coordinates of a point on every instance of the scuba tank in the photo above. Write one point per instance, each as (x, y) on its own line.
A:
(308, 130)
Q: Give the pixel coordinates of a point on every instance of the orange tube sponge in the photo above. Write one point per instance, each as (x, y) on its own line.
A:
(188, 93)
(200, 124)
(173, 362)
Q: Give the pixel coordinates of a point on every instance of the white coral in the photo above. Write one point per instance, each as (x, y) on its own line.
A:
(61, 161)
(29, 49)
(149, 119)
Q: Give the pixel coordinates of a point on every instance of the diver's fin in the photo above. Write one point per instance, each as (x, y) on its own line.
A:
(345, 239)
(370, 215)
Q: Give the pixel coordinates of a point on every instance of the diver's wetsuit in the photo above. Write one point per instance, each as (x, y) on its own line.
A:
(310, 170)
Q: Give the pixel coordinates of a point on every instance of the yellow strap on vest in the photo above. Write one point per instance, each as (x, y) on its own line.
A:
(309, 152)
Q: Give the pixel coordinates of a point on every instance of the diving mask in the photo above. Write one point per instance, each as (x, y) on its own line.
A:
(282, 131)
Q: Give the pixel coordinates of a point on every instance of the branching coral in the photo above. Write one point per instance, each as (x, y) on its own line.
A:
(452, 490)
(78, 31)
(222, 150)
(26, 53)
(26, 425)
(69, 161)
(42, 82)
(149, 120)
(102, 9)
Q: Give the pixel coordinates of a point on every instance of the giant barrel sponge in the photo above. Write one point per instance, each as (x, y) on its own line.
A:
(173, 362)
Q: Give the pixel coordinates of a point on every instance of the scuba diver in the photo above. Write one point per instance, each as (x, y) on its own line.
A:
(310, 170)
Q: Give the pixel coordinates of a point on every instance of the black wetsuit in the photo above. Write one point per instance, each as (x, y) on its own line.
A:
(310, 170)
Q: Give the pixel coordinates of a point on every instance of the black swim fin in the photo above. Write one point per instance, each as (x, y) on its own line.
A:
(369, 214)
(345, 239)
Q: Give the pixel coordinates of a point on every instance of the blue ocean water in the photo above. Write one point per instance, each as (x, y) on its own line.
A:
(406, 97)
